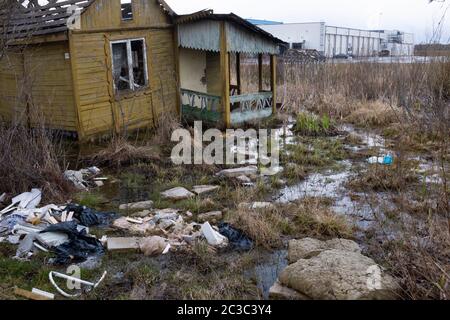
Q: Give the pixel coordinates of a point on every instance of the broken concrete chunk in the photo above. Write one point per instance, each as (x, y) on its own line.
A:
(234, 173)
(177, 194)
(142, 205)
(165, 214)
(280, 292)
(307, 248)
(122, 244)
(199, 190)
(244, 179)
(142, 214)
(213, 237)
(214, 217)
(144, 228)
(153, 246)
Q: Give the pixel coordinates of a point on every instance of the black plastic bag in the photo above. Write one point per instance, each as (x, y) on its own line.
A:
(89, 217)
(238, 240)
(80, 245)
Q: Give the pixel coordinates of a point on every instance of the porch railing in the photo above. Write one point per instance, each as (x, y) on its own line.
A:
(252, 101)
(202, 101)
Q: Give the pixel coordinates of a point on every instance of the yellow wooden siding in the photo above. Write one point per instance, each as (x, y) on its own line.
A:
(101, 110)
(105, 14)
(40, 76)
(51, 87)
(11, 86)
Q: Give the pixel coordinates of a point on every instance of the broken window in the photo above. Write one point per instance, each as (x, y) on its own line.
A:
(129, 64)
(127, 9)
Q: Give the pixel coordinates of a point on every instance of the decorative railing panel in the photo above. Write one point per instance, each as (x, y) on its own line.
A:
(202, 101)
(252, 101)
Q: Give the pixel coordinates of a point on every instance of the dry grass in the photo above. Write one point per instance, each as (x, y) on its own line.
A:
(373, 114)
(381, 178)
(167, 123)
(419, 256)
(313, 217)
(29, 159)
(121, 152)
(264, 227)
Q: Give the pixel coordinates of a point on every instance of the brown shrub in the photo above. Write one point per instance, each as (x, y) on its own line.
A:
(29, 159)
(120, 152)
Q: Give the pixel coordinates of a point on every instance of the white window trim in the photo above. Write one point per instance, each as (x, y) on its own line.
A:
(130, 61)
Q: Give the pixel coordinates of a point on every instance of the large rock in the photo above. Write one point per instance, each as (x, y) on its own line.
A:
(308, 247)
(177, 194)
(339, 275)
(234, 173)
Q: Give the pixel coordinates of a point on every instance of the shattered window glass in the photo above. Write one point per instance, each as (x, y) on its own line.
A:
(127, 9)
(121, 67)
(137, 51)
(129, 64)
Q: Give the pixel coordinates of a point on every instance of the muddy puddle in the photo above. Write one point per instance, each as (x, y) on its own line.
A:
(266, 272)
(330, 184)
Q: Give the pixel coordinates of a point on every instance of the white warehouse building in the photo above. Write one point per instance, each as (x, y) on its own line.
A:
(332, 41)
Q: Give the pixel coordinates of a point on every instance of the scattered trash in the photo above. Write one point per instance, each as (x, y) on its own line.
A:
(199, 190)
(213, 237)
(36, 294)
(28, 200)
(386, 160)
(42, 293)
(145, 227)
(89, 217)
(79, 247)
(2, 197)
(78, 178)
(143, 205)
(153, 246)
(177, 194)
(237, 239)
(73, 280)
(256, 205)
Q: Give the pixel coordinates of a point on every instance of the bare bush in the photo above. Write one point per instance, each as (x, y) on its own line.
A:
(29, 159)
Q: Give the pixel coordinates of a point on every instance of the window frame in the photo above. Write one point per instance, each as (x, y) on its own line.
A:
(132, 13)
(131, 87)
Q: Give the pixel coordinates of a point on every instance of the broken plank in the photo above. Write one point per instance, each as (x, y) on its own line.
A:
(29, 295)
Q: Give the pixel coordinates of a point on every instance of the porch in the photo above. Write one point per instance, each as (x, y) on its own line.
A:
(210, 50)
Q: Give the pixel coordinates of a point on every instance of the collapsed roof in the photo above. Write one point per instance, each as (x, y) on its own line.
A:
(19, 21)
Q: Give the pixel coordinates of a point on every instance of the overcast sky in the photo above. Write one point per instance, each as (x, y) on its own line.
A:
(416, 16)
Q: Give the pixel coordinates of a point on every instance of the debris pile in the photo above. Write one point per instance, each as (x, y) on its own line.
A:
(63, 230)
(85, 178)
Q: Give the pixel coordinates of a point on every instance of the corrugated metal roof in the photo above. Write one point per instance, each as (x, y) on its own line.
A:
(231, 17)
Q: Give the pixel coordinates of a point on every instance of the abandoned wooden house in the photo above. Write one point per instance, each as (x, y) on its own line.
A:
(93, 67)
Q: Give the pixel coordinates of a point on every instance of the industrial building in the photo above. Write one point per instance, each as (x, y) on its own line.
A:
(334, 41)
